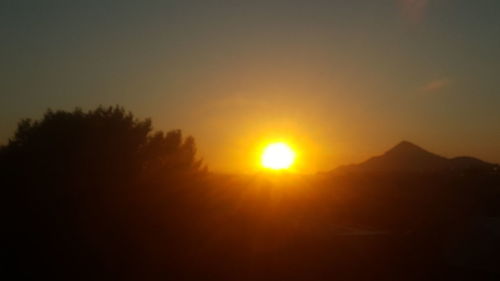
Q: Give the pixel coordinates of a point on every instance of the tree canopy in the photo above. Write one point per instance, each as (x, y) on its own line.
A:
(75, 181)
(105, 141)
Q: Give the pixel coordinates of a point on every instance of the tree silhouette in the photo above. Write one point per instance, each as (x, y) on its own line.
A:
(81, 187)
(105, 141)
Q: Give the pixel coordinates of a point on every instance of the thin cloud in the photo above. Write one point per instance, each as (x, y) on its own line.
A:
(413, 10)
(436, 85)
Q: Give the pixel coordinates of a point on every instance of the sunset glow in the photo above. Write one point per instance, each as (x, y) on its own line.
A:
(278, 156)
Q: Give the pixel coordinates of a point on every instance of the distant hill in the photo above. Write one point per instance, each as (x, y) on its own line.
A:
(408, 157)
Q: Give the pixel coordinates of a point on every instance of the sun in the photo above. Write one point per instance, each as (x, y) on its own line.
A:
(278, 156)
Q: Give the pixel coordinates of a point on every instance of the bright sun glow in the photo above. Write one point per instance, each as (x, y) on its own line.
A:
(278, 156)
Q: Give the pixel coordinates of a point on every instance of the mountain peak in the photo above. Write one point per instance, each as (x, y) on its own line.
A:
(406, 156)
(406, 143)
(405, 147)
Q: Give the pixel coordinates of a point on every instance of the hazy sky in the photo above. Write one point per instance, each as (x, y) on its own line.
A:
(342, 80)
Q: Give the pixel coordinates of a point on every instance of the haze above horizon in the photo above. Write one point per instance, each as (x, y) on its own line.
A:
(340, 80)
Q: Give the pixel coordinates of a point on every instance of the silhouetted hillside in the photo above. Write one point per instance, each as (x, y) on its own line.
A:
(408, 157)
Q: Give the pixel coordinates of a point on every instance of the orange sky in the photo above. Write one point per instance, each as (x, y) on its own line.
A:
(340, 80)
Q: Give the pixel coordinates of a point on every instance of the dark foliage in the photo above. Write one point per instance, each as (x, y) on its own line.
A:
(80, 188)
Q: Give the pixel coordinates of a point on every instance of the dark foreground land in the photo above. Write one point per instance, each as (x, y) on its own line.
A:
(98, 196)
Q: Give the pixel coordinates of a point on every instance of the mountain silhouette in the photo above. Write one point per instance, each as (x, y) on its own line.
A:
(408, 157)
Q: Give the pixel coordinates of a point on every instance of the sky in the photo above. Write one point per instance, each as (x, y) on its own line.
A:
(339, 80)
